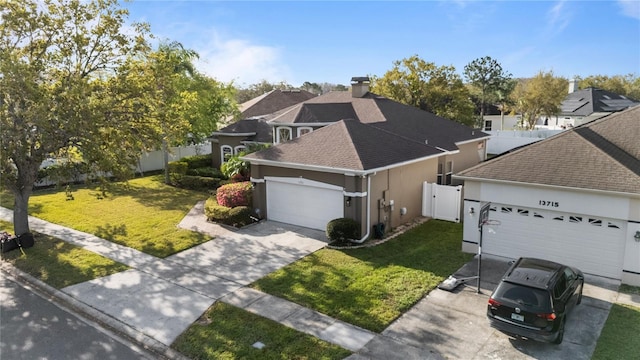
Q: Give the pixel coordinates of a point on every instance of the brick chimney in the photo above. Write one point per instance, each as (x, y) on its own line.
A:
(359, 86)
(573, 85)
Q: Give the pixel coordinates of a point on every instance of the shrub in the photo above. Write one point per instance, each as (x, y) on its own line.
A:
(198, 161)
(215, 212)
(342, 229)
(198, 182)
(239, 216)
(206, 171)
(235, 194)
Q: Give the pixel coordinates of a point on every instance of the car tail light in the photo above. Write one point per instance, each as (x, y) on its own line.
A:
(550, 316)
(494, 303)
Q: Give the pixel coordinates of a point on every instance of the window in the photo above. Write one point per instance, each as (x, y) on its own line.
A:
(226, 152)
(560, 287)
(506, 210)
(449, 172)
(487, 125)
(537, 215)
(595, 222)
(283, 134)
(523, 212)
(575, 219)
(304, 130)
(238, 149)
(559, 218)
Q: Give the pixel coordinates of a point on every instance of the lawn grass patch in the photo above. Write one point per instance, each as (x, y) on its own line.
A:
(371, 287)
(619, 338)
(629, 289)
(227, 332)
(142, 213)
(59, 263)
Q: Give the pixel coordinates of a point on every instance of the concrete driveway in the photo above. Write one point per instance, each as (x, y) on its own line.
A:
(453, 325)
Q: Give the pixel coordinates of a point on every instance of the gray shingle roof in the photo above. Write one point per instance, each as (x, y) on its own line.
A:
(602, 155)
(592, 100)
(273, 101)
(348, 145)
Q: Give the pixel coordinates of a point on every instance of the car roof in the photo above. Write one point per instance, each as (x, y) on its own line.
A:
(533, 272)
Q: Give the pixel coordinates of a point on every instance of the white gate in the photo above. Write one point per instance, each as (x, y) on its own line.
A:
(441, 201)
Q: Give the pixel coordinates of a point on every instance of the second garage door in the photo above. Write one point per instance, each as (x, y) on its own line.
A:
(592, 244)
(303, 202)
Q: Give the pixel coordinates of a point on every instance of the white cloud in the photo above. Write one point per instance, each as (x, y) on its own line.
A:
(241, 61)
(630, 8)
(559, 18)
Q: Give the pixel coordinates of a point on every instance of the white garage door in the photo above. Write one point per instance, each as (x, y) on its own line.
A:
(593, 245)
(304, 202)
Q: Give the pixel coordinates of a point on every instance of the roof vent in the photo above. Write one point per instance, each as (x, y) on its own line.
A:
(359, 86)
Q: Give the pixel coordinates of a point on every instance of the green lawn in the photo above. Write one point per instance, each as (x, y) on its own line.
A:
(141, 214)
(620, 337)
(58, 263)
(227, 332)
(371, 287)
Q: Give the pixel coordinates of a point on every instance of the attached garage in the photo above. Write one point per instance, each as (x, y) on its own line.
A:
(303, 202)
(593, 244)
(573, 198)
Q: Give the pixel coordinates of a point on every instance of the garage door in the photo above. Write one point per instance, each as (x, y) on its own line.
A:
(593, 245)
(304, 202)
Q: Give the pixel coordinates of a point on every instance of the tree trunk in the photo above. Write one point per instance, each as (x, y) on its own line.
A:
(21, 210)
(165, 154)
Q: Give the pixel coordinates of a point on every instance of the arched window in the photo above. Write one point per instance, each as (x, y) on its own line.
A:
(283, 134)
(226, 152)
(238, 149)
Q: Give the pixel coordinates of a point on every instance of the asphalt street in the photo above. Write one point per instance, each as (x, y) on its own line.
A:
(32, 327)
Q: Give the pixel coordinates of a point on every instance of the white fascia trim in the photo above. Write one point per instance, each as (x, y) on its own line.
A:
(304, 182)
(257, 181)
(234, 134)
(545, 186)
(473, 140)
(346, 172)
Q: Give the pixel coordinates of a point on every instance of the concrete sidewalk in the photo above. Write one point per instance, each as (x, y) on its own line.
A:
(160, 298)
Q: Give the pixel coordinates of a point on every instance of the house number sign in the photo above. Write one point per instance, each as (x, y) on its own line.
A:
(548, 203)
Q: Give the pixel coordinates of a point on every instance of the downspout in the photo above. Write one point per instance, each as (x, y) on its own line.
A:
(368, 212)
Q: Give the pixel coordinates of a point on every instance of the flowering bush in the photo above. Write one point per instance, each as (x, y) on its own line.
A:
(235, 194)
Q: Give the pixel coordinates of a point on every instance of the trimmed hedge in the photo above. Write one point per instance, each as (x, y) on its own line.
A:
(238, 216)
(343, 229)
(198, 161)
(206, 172)
(235, 194)
(199, 183)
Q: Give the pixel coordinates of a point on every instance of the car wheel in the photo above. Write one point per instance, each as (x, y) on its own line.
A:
(560, 336)
(580, 295)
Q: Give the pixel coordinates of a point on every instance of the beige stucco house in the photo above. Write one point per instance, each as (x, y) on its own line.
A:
(359, 155)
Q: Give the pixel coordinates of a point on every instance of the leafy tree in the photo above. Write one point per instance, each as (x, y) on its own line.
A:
(627, 85)
(312, 87)
(183, 104)
(538, 96)
(59, 66)
(486, 76)
(255, 90)
(437, 89)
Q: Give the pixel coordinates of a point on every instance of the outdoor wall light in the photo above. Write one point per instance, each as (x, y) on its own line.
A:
(637, 236)
(348, 201)
(472, 211)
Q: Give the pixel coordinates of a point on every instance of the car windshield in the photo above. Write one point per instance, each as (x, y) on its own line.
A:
(536, 300)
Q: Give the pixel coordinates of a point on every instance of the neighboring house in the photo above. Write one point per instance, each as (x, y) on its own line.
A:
(572, 198)
(577, 108)
(582, 106)
(252, 127)
(357, 155)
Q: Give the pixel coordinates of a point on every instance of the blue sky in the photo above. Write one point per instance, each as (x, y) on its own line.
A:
(332, 41)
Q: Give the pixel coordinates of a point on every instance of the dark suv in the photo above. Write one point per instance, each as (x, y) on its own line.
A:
(533, 299)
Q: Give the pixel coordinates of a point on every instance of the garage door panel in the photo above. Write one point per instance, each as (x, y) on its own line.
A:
(587, 243)
(303, 205)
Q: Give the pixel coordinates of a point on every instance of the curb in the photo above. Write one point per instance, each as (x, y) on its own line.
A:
(92, 315)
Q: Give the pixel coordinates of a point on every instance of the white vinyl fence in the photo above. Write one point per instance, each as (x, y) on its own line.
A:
(506, 140)
(150, 161)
